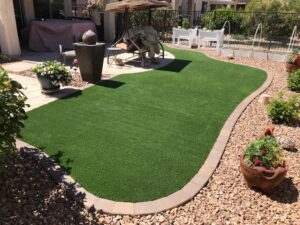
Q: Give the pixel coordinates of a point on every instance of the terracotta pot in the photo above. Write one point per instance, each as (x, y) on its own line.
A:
(260, 177)
(297, 61)
(291, 67)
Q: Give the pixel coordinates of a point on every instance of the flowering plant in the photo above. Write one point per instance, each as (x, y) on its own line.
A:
(12, 104)
(98, 4)
(264, 152)
(55, 71)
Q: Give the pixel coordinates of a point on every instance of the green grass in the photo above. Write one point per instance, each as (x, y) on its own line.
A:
(143, 136)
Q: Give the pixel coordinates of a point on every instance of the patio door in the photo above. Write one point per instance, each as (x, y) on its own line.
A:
(20, 19)
(18, 7)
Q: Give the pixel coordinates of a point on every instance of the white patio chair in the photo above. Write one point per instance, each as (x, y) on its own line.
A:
(210, 36)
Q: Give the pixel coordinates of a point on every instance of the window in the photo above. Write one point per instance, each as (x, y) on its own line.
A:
(49, 9)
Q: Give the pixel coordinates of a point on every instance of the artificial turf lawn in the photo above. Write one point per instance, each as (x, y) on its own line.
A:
(143, 136)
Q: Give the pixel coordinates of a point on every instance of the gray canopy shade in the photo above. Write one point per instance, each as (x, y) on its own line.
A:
(134, 5)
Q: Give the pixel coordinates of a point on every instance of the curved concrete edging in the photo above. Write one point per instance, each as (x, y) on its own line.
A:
(141, 208)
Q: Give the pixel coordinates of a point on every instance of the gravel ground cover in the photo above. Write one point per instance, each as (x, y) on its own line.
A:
(225, 200)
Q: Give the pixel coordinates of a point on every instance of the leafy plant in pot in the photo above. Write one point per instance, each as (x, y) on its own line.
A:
(262, 164)
(51, 74)
(293, 61)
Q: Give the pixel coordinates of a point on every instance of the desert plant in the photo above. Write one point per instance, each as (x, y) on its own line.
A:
(55, 71)
(264, 152)
(12, 103)
(283, 111)
(294, 80)
(185, 23)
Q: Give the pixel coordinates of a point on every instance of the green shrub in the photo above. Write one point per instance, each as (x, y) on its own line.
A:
(4, 58)
(294, 80)
(264, 152)
(216, 19)
(273, 15)
(185, 23)
(283, 111)
(12, 103)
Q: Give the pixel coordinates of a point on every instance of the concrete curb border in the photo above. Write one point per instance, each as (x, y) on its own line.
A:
(162, 204)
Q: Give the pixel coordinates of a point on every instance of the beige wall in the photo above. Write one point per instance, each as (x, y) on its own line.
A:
(68, 7)
(9, 39)
(109, 25)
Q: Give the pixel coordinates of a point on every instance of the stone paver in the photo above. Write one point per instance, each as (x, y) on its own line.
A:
(32, 90)
(18, 67)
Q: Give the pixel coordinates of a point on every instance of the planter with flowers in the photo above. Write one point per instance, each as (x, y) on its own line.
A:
(51, 74)
(293, 61)
(262, 164)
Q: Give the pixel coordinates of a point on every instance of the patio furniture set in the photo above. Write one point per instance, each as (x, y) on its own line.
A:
(200, 37)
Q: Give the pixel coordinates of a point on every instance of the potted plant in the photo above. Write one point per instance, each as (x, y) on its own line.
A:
(262, 164)
(51, 74)
(293, 60)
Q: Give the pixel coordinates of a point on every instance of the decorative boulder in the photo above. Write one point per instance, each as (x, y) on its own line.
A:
(89, 38)
(286, 142)
(265, 99)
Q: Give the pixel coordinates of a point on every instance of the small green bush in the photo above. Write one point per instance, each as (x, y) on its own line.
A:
(294, 80)
(283, 111)
(264, 152)
(185, 23)
(12, 103)
(4, 58)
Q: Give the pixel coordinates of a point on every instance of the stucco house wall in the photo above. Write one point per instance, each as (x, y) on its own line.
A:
(9, 40)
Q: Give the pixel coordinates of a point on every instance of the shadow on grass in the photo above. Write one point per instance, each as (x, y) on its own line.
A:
(68, 93)
(110, 84)
(176, 65)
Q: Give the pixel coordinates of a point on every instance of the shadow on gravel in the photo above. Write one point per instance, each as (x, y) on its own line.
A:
(285, 193)
(28, 194)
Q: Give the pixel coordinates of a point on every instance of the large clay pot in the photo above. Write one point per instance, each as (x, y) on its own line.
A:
(260, 177)
(90, 60)
(297, 61)
(291, 67)
(47, 86)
